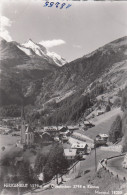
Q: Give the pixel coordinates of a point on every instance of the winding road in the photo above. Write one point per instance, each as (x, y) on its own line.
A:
(115, 165)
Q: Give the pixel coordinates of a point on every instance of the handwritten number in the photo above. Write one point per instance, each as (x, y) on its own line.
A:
(46, 3)
(63, 4)
(57, 4)
(51, 4)
(69, 5)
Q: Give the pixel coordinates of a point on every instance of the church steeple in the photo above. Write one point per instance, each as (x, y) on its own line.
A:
(22, 113)
(23, 128)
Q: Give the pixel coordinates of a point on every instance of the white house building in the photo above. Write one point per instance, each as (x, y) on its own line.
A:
(70, 154)
(81, 148)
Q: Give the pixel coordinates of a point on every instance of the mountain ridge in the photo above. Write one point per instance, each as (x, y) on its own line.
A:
(30, 49)
(61, 89)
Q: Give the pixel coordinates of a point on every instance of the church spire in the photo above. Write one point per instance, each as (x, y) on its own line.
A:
(23, 128)
(22, 113)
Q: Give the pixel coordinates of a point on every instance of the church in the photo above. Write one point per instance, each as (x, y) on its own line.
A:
(27, 134)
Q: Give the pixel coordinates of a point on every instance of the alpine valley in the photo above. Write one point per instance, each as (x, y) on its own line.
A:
(56, 91)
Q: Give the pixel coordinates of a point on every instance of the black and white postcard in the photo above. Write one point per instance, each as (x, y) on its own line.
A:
(63, 97)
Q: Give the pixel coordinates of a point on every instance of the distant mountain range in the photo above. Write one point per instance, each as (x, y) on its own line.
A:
(31, 73)
(28, 50)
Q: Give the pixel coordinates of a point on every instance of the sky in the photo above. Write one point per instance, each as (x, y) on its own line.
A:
(72, 32)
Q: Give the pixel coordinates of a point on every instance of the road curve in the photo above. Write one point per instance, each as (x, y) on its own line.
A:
(115, 164)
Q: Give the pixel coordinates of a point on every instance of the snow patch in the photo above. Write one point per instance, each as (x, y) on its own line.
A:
(34, 47)
(25, 50)
(41, 51)
(57, 58)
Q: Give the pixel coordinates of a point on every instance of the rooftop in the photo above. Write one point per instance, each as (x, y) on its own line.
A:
(70, 152)
(50, 128)
(102, 135)
(72, 127)
(28, 129)
(75, 145)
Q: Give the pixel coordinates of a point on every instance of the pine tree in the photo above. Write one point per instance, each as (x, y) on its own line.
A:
(56, 163)
(116, 130)
(124, 100)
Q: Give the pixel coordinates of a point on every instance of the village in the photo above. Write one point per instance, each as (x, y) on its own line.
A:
(74, 142)
(25, 143)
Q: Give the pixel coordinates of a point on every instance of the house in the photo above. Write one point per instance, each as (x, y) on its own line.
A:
(99, 112)
(101, 139)
(56, 139)
(64, 131)
(64, 138)
(40, 131)
(19, 145)
(46, 138)
(88, 124)
(6, 131)
(79, 136)
(70, 154)
(52, 130)
(41, 178)
(61, 127)
(81, 147)
(72, 128)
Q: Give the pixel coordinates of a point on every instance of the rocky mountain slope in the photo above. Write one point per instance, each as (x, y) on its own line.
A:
(61, 91)
(28, 50)
(32, 48)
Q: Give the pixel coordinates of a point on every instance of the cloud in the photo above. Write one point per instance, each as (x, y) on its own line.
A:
(4, 24)
(77, 46)
(52, 43)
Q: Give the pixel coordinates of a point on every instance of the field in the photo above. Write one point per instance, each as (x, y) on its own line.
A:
(102, 123)
(6, 140)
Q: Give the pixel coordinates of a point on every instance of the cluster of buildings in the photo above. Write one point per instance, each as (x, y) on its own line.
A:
(8, 125)
(76, 150)
(48, 134)
(45, 135)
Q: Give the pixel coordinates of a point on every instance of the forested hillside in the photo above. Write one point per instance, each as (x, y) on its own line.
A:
(60, 94)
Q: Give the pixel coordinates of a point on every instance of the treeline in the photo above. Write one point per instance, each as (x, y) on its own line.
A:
(10, 111)
(119, 127)
(69, 110)
(115, 132)
(16, 172)
(73, 107)
(51, 164)
(124, 121)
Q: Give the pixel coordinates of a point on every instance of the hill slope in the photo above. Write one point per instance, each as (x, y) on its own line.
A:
(63, 94)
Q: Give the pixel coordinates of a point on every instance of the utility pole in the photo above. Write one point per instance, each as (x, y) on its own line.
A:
(95, 155)
(57, 179)
(18, 191)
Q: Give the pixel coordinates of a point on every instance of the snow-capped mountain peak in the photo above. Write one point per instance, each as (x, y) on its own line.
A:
(35, 47)
(31, 44)
(57, 58)
(30, 48)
